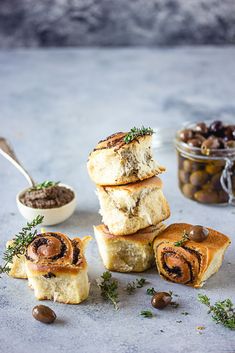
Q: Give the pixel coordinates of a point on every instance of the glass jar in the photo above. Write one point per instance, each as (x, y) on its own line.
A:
(208, 179)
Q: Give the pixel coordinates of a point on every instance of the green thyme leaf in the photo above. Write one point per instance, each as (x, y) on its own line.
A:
(108, 287)
(146, 313)
(137, 132)
(46, 184)
(183, 240)
(223, 312)
(138, 283)
(150, 291)
(20, 243)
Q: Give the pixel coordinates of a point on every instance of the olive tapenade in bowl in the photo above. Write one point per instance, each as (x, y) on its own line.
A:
(206, 162)
(56, 202)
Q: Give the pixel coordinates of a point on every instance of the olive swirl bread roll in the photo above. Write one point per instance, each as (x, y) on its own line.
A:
(191, 263)
(57, 269)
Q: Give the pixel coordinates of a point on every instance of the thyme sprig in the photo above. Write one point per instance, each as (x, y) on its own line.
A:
(223, 312)
(146, 313)
(108, 287)
(20, 243)
(45, 184)
(181, 242)
(150, 291)
(138, 283)
(137, 132)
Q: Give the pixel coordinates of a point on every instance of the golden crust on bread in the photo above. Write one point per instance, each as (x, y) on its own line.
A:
(153, 182)
(56, 268)
(131, 253)
(114, 162)
(193, 262)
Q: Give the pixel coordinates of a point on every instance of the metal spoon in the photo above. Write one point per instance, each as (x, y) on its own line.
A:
(7, 151)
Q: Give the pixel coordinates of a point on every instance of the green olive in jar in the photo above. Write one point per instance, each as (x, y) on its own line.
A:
(215, 181)
(191, 166)
(189, 190)
(198, 178)
(208, 186)
(183, 176)
(222, 197)
(233, 181)
(212, 168)
(205, 196)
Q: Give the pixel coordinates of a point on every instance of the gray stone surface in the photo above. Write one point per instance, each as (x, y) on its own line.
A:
(115, 23)
(55, 105)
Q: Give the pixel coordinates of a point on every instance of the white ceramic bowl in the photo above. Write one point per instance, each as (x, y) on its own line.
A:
(51, 216)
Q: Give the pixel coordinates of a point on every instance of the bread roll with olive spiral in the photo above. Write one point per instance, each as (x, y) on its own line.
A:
(57, 269)
(193, 262)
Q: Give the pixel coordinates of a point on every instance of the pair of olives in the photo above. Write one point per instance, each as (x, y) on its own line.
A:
(209, 137)
(44, 314)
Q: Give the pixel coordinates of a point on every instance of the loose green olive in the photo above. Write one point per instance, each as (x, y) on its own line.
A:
(160, 300)
(205, 196)
(198, 233)
(44, 314)
(198, 178)
(189, 190)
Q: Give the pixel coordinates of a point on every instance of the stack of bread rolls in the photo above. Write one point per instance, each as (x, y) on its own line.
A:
(132, 203)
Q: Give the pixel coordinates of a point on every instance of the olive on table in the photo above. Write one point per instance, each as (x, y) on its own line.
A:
(189, 190)
(198, 233)
(198, 178)
(44, 314)
(160, 300)
(205, 196)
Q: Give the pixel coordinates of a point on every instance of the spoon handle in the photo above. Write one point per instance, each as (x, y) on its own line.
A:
(7, 152)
